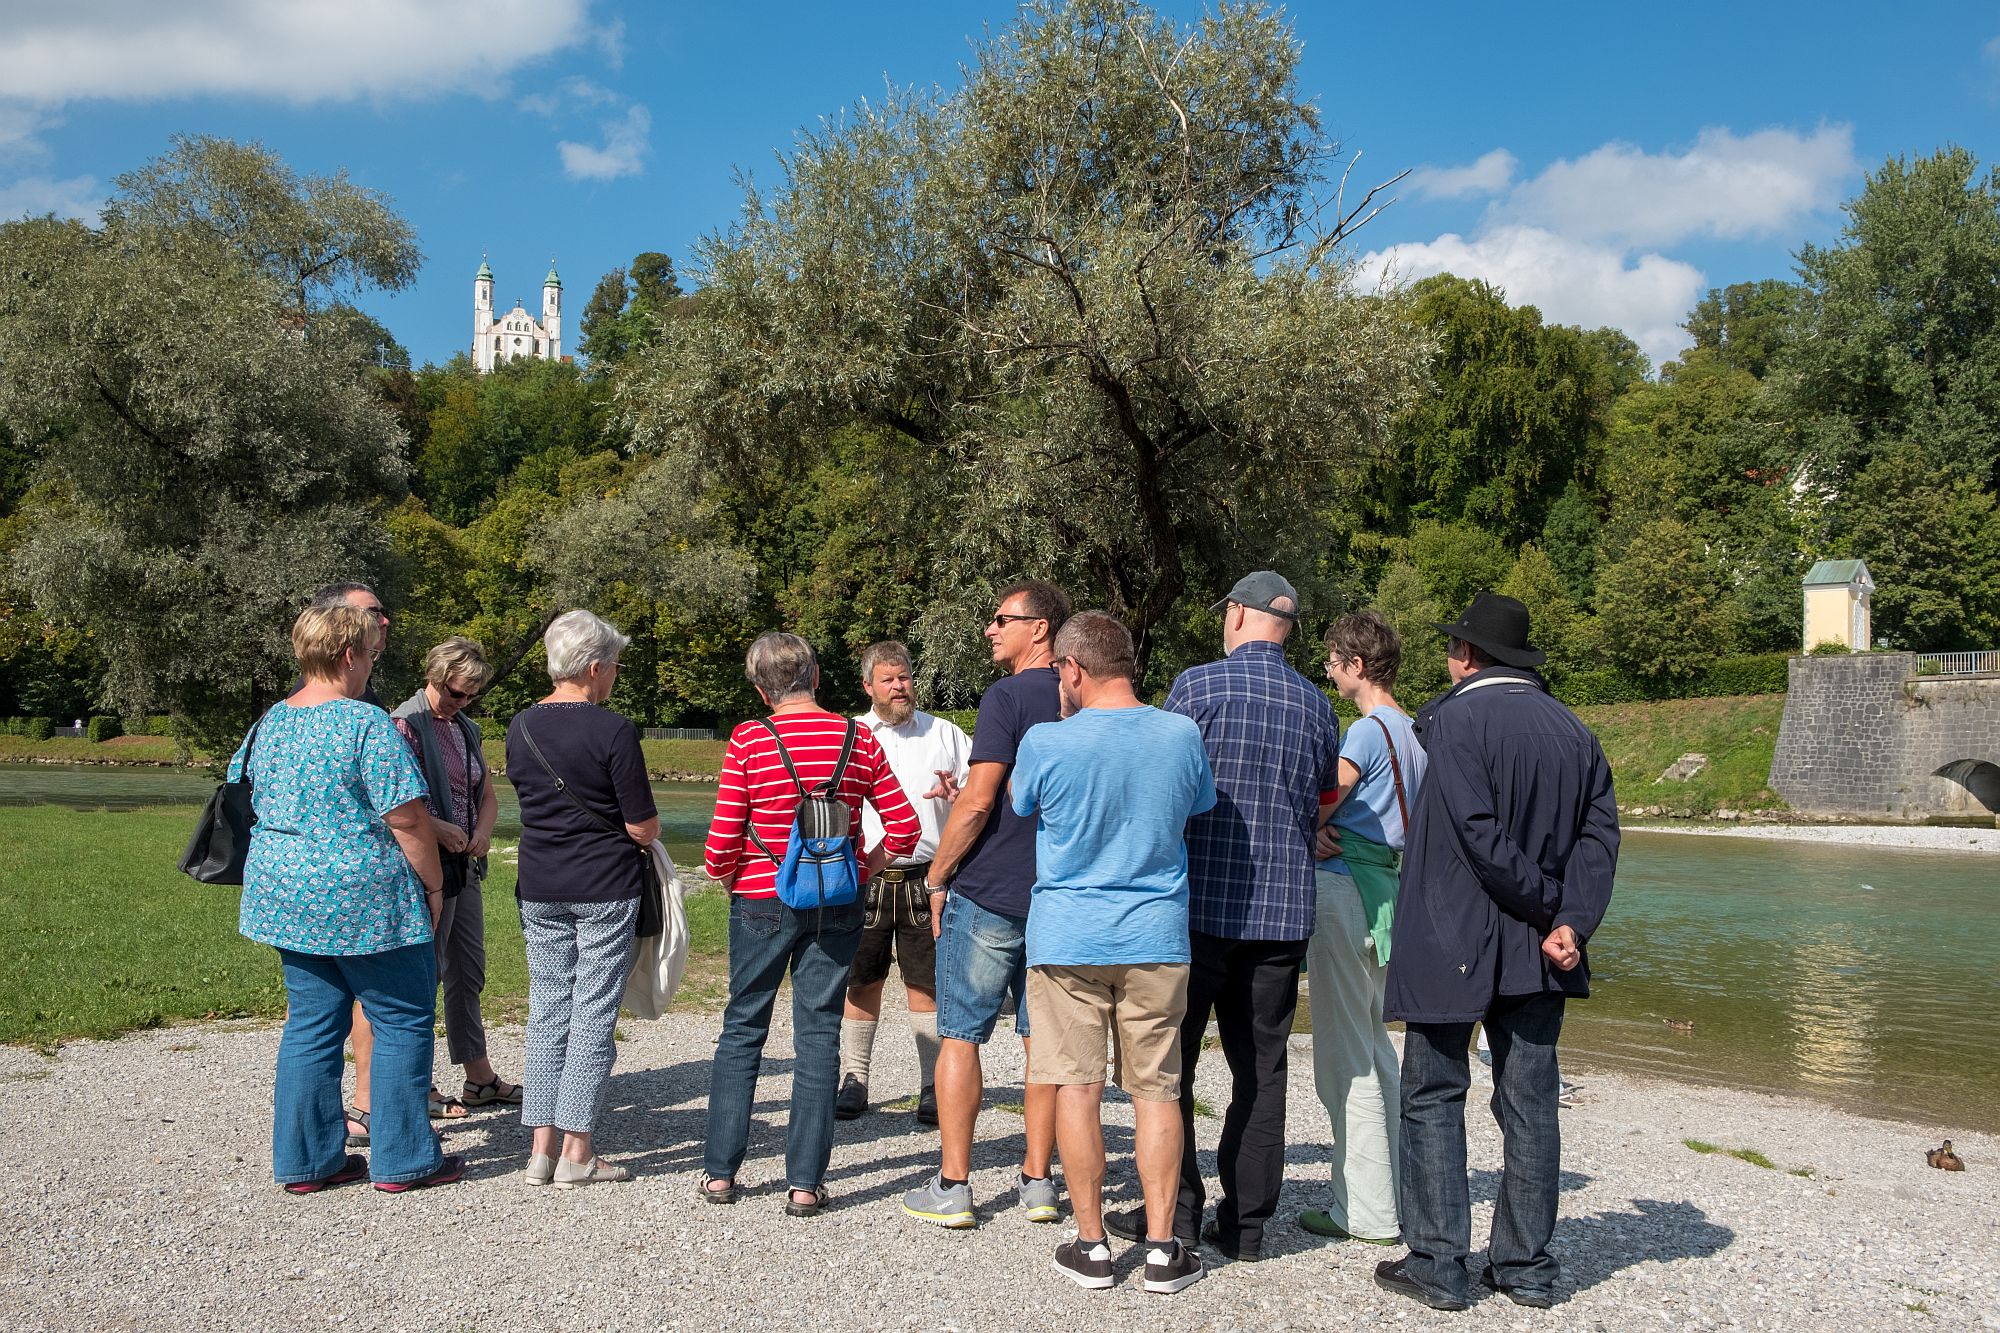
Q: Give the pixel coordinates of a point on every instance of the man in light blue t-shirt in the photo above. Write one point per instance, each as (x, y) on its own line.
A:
(1111, 788)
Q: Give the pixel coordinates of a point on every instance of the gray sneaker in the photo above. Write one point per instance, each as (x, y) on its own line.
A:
(1038, 1199)
(949, 1208)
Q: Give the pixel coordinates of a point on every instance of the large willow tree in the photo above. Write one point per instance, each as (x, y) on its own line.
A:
(206, 446)
(1096, 294)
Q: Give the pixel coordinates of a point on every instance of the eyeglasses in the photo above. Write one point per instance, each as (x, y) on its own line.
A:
(374, 611)
(460, 695)
(1001, 618)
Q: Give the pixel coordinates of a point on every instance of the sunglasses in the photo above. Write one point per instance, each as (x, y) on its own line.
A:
(460, 695)
(1000, 618)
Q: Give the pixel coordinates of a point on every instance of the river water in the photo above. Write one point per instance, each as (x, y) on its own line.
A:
(1862, 976)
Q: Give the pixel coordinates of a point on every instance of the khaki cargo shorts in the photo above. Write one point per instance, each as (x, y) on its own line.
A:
(1133, 1009)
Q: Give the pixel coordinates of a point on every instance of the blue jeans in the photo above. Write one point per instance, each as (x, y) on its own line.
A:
(982, 957)
(398, 993)
(766, 938)
(1433, 1193)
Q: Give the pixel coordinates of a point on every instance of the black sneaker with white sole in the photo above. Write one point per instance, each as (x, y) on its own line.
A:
(1087, 1263)
(1170, 1268)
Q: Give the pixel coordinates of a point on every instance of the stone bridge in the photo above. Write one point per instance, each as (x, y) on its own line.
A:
(1866, 735)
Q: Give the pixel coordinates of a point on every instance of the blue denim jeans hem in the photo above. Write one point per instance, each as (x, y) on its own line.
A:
(766, 940)
(982, 957)
(1434, 1194)
(398, 992)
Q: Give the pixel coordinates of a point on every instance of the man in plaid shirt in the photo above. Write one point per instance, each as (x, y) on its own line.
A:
(1274, 746)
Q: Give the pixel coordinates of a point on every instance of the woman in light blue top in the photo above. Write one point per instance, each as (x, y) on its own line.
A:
(1354, 1064)
(342, 878)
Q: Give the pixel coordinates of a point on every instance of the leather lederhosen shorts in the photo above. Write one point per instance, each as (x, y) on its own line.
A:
(896, 924)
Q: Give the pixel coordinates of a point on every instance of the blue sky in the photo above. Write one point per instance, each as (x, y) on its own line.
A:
(1606, 162)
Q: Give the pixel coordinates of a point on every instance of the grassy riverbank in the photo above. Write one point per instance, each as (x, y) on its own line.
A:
(1738, 736)
(107, 936)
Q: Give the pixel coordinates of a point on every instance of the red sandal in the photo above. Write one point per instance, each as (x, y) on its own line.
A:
(451, 1169)
(353, 1169)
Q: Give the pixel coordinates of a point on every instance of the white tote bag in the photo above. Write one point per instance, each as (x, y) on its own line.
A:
(662, 958)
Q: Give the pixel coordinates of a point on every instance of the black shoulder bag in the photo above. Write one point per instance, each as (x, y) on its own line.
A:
(221, 841)
(652, 902)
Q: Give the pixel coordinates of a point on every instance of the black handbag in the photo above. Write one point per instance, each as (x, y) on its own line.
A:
(652, 897)
(221, 841)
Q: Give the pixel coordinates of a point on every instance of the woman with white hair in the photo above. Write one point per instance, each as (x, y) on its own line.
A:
(587, 817)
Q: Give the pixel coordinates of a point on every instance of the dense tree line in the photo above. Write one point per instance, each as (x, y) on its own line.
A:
(1089, 318)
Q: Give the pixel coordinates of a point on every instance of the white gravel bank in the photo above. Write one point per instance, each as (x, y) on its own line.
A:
(139, 1196)
(1919, 837)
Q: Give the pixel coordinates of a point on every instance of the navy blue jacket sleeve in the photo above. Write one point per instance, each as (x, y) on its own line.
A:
(1586, 890)
(1509, 875)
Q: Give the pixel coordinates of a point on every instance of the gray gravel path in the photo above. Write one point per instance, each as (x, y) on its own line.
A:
(139, 1196)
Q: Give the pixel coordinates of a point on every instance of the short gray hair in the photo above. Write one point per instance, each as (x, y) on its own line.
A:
(889, 650)
(781, 666)
(576, 639)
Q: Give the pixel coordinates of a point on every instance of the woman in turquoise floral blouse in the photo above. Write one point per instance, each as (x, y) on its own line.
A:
(342, 879)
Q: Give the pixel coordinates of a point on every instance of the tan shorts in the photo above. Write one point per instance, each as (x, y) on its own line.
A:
(1134, 1009)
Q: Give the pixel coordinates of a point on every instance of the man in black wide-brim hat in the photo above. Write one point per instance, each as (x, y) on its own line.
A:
(1507, 873)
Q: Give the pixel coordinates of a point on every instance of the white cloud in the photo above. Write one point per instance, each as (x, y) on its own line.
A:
(1572, 281)
(294, 51)
(623, 154)
(20, 133)
(1492, 173)
(1725, 186)
(32, 196)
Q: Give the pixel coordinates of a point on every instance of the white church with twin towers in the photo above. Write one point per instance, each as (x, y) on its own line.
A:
(517, 333)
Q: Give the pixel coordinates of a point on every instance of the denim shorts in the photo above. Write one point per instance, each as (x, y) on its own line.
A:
(982, 957)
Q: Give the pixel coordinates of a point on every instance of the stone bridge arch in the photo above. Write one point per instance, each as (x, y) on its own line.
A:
(1972, 787)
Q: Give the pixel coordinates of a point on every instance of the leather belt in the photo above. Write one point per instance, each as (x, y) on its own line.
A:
(899, 874)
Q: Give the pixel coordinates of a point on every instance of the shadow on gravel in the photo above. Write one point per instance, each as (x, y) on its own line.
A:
(1595, 1248)
(1485, 1184)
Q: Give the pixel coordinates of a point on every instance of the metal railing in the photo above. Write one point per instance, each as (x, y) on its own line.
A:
(1959, 664)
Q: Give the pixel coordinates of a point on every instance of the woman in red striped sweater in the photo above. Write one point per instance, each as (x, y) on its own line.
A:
(767, 938)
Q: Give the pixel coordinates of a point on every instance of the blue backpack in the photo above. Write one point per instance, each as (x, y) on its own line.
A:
(818, 868)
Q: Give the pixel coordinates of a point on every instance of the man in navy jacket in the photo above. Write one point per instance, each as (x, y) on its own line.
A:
(1506, 875)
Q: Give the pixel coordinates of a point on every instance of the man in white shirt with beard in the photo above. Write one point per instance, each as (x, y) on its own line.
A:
(928, 756)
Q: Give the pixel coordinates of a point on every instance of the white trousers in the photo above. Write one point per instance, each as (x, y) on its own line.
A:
(1354, 1064)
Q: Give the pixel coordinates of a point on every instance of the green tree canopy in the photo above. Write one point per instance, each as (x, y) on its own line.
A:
(1512, 415)
(1742, 326)
(1932, 541)
(1900, 336)
(1096, 290)
(1663, 607)
(203, 461)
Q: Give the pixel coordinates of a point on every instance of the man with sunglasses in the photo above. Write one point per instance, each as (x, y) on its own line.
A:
(986, 860)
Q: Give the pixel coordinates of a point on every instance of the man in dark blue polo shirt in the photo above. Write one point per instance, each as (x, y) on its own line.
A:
(1274, 746)
(986, 860)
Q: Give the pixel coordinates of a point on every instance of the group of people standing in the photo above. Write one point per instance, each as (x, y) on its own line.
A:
(1115, 875)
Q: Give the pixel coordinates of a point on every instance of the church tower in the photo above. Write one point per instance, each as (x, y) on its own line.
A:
(482, 317)
(552, 312)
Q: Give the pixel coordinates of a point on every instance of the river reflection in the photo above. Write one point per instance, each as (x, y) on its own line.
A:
(1859, 975)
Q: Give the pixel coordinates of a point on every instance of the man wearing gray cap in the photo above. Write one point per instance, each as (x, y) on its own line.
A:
(1274, 746)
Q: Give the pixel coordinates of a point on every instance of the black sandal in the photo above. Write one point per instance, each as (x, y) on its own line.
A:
(793, 1208)
(727, 1194)
(360, 1118)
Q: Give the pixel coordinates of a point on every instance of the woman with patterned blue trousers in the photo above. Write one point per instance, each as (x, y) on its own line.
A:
(342, 879)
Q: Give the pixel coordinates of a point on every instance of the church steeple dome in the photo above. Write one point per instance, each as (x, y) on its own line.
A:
(485, 273)
(552, 280)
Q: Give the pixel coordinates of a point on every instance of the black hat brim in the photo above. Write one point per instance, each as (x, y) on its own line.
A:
(1506, 655)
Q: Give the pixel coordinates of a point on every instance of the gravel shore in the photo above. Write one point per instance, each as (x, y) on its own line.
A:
(140, 1197)
(1921, 837)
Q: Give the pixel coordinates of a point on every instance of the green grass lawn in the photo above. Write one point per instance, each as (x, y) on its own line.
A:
(76, 750)
(107, 936)
(1738, 736)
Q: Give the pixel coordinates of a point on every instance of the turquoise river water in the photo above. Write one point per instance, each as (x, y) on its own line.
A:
(1862, 976)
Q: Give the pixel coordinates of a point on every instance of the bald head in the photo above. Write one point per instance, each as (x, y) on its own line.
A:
(1246, 624)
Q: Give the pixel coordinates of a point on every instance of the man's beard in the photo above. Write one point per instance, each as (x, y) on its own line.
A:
(896, 711)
